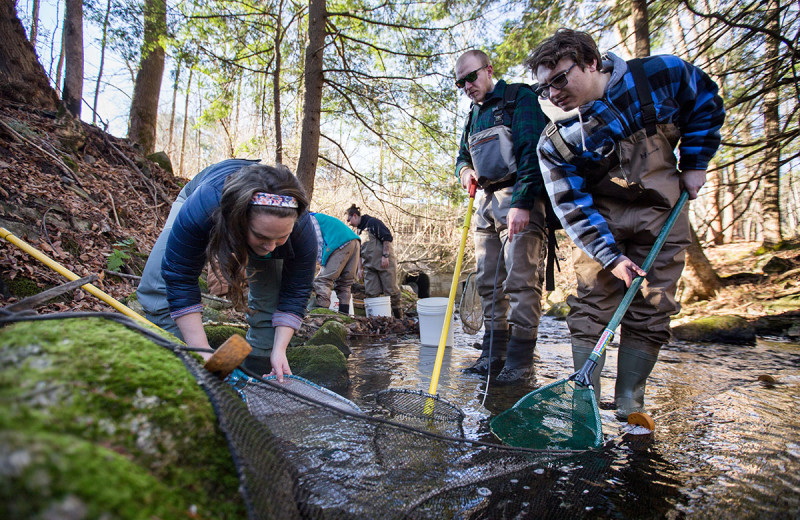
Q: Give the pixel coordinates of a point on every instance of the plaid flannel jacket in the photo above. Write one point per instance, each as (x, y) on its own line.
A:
(683, 95)
(527, 124)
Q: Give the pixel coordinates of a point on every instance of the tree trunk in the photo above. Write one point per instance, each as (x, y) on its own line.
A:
(700, 277)
(72, 95)
(309, 140)
(102, 61)
(772, 154)
(185, 118)
(276, 89)
(641, 28)
(144, 106)
(34, 22)
(175, 85)
(22, 78)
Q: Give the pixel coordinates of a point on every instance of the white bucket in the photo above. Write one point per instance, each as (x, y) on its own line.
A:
(334, 306)
(378, 306)
(431, 321)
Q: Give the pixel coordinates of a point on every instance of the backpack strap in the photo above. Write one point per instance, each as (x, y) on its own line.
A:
(643, 92)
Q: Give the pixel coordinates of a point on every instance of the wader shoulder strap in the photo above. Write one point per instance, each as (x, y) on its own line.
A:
(552, 133)
(643, 93)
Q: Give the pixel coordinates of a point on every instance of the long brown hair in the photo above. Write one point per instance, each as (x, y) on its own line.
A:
(227, 249)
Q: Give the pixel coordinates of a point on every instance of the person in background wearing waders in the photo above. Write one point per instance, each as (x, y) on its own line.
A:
(377, 258)
(250, 222)
(498, 150)
(612, 176)
(338, 254)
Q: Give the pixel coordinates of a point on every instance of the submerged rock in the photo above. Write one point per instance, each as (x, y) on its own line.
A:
(719, 329)
(100, 422)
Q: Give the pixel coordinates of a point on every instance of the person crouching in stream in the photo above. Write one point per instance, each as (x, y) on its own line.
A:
(249, 221)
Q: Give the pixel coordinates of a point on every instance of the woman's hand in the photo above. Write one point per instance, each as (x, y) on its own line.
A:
(280, 365)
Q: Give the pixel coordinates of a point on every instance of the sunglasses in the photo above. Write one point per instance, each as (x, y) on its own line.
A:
(559, 82)
(471, 77)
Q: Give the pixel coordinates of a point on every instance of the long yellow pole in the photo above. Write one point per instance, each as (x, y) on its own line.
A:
(453, 288)
(55, 266)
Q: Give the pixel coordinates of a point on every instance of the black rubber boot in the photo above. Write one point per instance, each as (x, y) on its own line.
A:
(397, 312)
(519, 362)
(579, 356)
(633, 368)
(344, 308)
(498, 353)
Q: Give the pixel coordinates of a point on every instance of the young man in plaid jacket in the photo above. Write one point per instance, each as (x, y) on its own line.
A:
(611, 173)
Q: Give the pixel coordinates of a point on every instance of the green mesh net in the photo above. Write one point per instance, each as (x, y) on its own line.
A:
(561, 415)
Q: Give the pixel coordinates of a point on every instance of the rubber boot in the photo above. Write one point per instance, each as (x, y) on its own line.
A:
(580, 354)
(519, 361)
(498, 353)
(344, 308)
(633, 368)
(397, 312)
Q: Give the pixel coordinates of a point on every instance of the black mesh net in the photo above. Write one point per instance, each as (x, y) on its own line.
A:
(304, 452)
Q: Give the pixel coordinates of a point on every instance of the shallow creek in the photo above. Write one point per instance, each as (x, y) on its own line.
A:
(726, 445)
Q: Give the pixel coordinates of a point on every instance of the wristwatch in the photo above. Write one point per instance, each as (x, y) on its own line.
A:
(385, 256)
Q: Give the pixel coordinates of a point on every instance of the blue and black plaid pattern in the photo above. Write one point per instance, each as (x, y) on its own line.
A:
(683, 96)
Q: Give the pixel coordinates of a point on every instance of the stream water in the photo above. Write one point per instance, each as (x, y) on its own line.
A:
(726, 444)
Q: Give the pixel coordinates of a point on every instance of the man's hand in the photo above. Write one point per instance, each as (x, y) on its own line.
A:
(517, 220)
(692, 181)
(384, 262)
(624, 269)
(468, 173)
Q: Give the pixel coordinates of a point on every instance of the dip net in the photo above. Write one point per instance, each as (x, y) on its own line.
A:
(302, 451)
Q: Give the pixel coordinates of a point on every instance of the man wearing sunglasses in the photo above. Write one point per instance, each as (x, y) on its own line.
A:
(498, 151)
(612, 176)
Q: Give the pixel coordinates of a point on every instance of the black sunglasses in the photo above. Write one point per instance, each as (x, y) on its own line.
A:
(471, 77)
(559, 82)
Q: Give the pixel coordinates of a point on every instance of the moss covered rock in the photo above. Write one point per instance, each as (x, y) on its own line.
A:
(331, 314)
(218, 334)
(322, 364)
(331, 333)
(558, 311)
(720, 329)
(99, 421)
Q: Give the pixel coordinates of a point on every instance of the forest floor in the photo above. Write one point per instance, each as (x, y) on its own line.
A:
(92, 203)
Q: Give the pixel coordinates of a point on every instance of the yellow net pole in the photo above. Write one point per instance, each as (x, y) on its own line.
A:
(451, 301)
(55, 266)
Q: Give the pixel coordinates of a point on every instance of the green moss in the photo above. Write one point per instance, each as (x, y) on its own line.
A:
(51, 471)
(331, 333)
(203, 284)
(22, 287)
(558, 310)
(724, 329)
(98, 382)
(323, 364)
(319, 311)
(217, 334)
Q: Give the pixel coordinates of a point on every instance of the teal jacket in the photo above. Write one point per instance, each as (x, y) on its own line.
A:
(333, 234)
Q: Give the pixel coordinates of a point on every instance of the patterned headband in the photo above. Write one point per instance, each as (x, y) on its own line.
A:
(270, 199)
